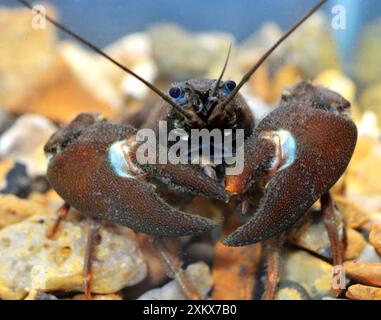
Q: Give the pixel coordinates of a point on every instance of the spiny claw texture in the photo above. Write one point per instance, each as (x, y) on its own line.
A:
(323, 138)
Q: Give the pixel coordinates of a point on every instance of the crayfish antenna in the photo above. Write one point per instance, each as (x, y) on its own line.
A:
(216, 86)
(219, 108)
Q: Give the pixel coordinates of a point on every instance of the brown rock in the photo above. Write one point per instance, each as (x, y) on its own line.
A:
(354, 215)
(375, 237)
(234, 268)
(360, 292)
(364, 272)
(355, 244)
(233, 271)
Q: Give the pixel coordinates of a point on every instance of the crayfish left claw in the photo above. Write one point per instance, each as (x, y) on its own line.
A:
(93, 173)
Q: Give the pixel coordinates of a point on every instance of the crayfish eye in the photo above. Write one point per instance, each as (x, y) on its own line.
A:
(175, 92)
(230, 85)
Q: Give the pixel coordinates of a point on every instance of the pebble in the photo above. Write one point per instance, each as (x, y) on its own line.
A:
(62, 91)
(180, 55)
(375, 237)
(131, 48)
(91, 71)
(313, 236)
(317, 281)
(24, 52)
(289, 290)
(156, 269)
(354, 216)
(361, 292)
(33, 129)
(134, 52)
(368, 273)
(38, 295)
(355, 244)
(14, 179)
(288, 294)
(369, 254)
(198, 273)
(14, 209)
(30, 261)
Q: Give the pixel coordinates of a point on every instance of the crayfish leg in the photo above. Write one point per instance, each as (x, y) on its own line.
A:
(62, 213)
(93, 231)
(273, 249)
(174, 269)
(336, 233)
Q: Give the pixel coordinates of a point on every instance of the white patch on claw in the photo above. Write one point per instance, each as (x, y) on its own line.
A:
(288, 146)
(285, 148)
(118, 155)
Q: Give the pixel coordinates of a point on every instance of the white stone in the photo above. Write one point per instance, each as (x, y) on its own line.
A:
(24, 142)
(199, 275)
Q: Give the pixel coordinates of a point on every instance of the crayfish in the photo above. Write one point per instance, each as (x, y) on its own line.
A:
(294, 156)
